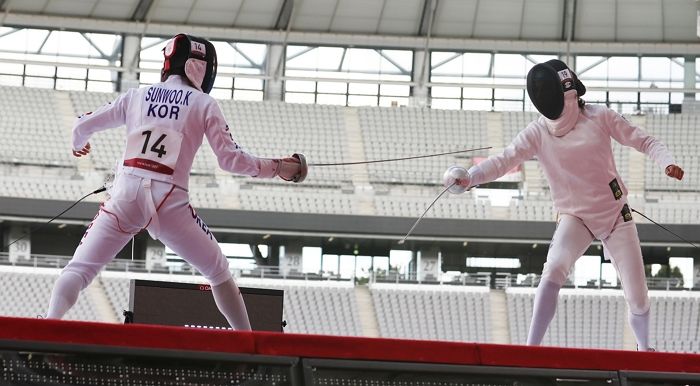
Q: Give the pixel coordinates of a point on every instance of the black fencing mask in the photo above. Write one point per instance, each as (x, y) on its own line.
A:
(192, 57)
(546, 84)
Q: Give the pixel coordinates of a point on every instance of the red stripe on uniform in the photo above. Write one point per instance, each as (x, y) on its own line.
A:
(148, 165)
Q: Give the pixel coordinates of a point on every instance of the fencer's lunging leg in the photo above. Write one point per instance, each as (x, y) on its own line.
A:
(187, 235)
(64, 295)
(102, 241)
(230, 302)
(640, 327)
(543, 311)
(626, 256)
(570, 240)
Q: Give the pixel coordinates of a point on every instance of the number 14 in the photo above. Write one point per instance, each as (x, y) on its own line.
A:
(158, 150)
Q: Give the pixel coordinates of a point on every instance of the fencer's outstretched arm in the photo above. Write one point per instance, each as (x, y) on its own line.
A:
(233, 159)
(523, 148)
(106, 117)
(627, 134)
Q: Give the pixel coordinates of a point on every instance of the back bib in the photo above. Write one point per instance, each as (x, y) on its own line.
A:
(155, 149)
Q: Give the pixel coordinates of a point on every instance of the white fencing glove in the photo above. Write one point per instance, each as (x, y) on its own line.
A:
(292, 168)
(458, 176)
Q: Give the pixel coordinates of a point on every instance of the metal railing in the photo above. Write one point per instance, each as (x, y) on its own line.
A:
(488, 279)
(181, 268)
(505, 280)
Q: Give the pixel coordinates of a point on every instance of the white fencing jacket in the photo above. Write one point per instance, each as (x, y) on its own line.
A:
(579, 166)
(165, 126)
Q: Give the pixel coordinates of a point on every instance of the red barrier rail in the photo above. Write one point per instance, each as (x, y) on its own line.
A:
(335, 347)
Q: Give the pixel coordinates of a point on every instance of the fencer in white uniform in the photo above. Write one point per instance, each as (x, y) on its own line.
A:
(572, 142)
(165, 126)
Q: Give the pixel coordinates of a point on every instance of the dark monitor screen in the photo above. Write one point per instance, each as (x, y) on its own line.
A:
(192, 305)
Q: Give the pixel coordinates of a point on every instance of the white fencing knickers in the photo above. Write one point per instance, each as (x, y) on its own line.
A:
(572, 238)
(164, 210)
(570, 241)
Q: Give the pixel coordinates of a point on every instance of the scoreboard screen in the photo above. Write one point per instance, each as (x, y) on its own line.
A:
(192, 305)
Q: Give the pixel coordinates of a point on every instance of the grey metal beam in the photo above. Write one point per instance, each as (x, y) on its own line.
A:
(285, 15)
(569, 22)
(380, 17)
(10, 32)
(530, 59)
(663, 21)
(451, 58)
(189, 11)
(332, 19)
(683, 64)
(342, 59)
(53, 63)
(245, 56)
(92, 43)
(142, 9)
(581, 71)
(522, 20)
(475, 18)
(393, 62)
(238, 13)
(616, 12)
(300, 53)
(425, 14)
(369, 227)
(357, 40)
(151, 45)
(43, 43)
(564, 7)
(573, 20)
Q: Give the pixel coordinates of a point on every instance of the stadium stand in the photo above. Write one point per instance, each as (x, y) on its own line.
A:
(454, 313)
(414, 203)
(514, 122)
(679, 132)
(400, 132)
(532, 209)
(27, 184)
(32, 116)
(316, 307)
(310, 307)
(302, 200)
(324, 134)
(276, 129)
(585, 318)
(26, 294)
(675, 321)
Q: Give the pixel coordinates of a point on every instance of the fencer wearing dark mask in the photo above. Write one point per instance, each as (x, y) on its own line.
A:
(572, 142)
(165, 126)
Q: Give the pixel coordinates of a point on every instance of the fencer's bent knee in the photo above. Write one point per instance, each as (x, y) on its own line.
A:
(639, 304)
(82, 271)
(555, 271)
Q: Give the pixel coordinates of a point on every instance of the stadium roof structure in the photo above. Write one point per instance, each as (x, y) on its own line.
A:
(614, 26)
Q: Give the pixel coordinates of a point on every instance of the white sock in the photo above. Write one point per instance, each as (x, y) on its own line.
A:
(640, 328)
(64, 294)
(543, 311)
(230, 302)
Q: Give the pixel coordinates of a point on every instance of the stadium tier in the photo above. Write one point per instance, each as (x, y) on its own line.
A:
(330, 134)
(409, 311)
(370, 271)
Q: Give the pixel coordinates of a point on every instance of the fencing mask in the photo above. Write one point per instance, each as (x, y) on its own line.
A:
(192, 57)
(554, 90)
